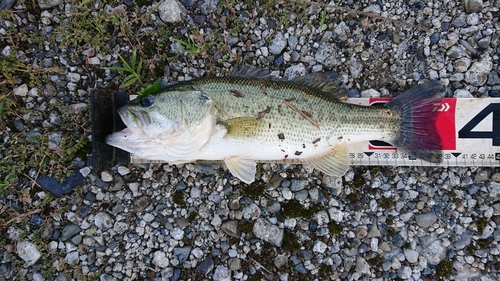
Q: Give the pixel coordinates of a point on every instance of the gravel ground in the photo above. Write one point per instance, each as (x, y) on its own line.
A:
(196, 221)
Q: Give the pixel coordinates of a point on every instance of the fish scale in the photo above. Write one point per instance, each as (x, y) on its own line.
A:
(242, 120)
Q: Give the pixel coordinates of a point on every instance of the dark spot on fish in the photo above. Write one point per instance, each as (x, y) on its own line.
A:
(341, 137)
(279, 108)
(263, 113)
(298, 153)
(305, 100)
(281, 136)
(303, 145)
(264, 90)
(290, 99)
(316, 140)
(237, 94)
(286, 156)
(282, 150)
(269, 125)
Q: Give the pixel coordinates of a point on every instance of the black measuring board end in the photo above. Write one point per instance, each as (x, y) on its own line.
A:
(105, 120)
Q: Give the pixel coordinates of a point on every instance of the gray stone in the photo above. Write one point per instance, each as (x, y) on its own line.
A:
(251, 211)
(231, 228)
(342, 31)
(206, 266)
(222, 273)
(411, 255)
(362, 266)
(266, 231)
(327, 56)
(370, 93)
(274, 207)
(465, 240)
(461, 64)
(208, 6)
(103, 220)
(301, 195)
(493, 78)
(473, 6)
(28, 252)
(293, 71)
(69, 231)
(278, 44)
(46, 4)
(73, 77)
(478, 72)
(434, 253)
(280, 260)
(374, 231)
(462, 93)
(182, 253)
(425, 220)
(234, 264)
(71, 257)
(160, 259)
(404, 272)
(21, 91)
(171, 11)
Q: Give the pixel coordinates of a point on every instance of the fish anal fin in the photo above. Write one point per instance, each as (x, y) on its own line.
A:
(335, 163)
(242, 168)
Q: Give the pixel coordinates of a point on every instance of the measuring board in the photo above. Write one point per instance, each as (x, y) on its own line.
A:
(469, 129)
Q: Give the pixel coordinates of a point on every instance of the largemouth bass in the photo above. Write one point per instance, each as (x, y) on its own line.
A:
(244, 120)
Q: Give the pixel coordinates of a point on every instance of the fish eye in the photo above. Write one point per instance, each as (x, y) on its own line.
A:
(147, 101)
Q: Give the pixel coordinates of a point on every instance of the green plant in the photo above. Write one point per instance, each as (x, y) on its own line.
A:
(134, 70)
(191, 46)
(444, 268)
(323, 18)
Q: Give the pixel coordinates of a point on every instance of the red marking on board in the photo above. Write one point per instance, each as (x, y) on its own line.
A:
(445, 122)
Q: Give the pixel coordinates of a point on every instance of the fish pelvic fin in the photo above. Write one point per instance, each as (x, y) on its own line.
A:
(242, 168)
(418, 135)
(335, 163)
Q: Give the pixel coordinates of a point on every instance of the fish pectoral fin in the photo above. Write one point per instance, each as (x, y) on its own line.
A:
(242, 168)
(335, 163)
(243, 126)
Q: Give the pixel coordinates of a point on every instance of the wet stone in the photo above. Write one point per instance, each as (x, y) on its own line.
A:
(69, 231)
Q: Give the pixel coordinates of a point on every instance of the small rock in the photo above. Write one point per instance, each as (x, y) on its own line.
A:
(231, 228)
(59, 189)
(28, 252)
(171, 11)
(319, 246)
(278, 44)
(268, 232)
(71, 257)
(103, 220)
(374, 231)
(205, 266)
(478, 72)
(222, 273)
(404, 272)
(208, 6)
(473, 6)
(160, 259)
(182, 253)
(434, 253)
(370, 93)
(362, 266)
(106, 176)
(123, 170)
(85, 171)
(411, 255)
(461, 64)
(280, 260)
(69, 231)
(251, 212)
(425, 220)
(46, 4)
(21, 91)
(73, 77)
(462, 93)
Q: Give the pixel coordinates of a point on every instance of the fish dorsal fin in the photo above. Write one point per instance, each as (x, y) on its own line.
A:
(335, 163)
(250, 72)
(327, 84)
(242, 168)
(242, 126)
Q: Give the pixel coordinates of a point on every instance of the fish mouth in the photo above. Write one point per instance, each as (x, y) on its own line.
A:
(136, 121)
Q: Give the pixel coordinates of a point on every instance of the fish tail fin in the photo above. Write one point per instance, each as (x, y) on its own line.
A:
(418, 135)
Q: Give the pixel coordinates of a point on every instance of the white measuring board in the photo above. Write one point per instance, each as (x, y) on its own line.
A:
(469, 130)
